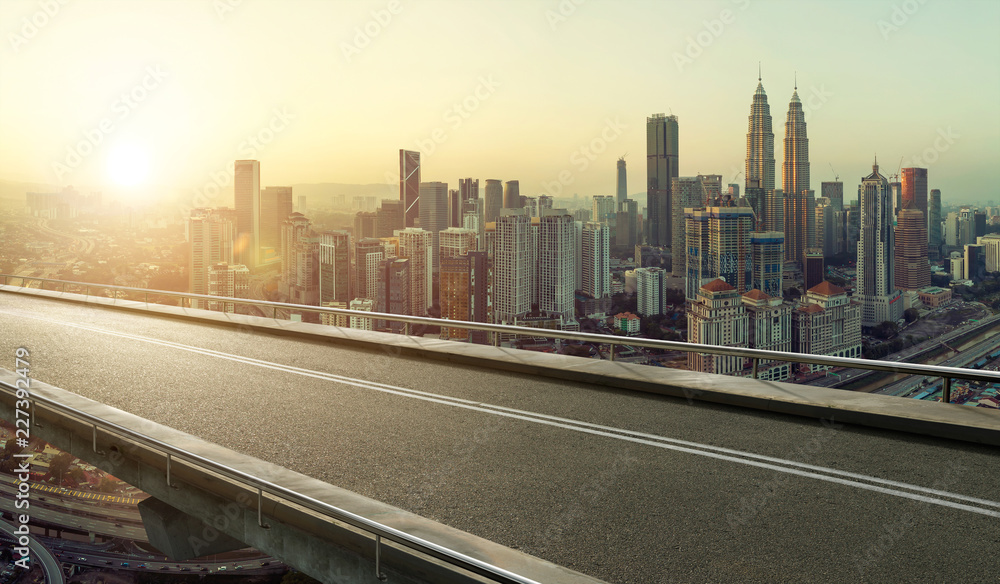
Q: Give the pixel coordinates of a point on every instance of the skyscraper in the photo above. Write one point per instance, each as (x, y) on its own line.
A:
(827, 322)
(493, 196)
(417, 245)
(246, 191)
(913, 272)
(433, 213)
(768, 250)
(465, 293)
(661, 168)
(368, 252)
(880, 301)
(211, 237)
(596, 264)
(511, 195)
(716, 316)
(557, 264)
(649, 287)
(833, 190)
(603, 208)
(389, 218)
(511, 293)
(760, 142)
(299, 261)
(231, 281)
(468, 190)
(934, 224)
(627, 223)
(687, 192)
(622, 183)
(795, 182)
(770, 329)
(366, 224)
(409, 184)
(393, 295)
(456, 241)
(334, 267)
(915, 188)
(718, 246)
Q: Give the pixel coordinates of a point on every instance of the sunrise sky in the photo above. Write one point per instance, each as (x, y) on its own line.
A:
(173, 91)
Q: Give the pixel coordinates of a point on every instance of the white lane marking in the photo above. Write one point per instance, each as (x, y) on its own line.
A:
(696, 448)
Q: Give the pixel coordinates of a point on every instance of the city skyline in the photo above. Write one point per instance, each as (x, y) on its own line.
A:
(489, 110)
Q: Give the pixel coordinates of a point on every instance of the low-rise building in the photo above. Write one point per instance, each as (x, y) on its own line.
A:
(627, 322)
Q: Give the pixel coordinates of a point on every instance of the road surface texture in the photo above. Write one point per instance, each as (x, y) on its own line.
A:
(624, 486)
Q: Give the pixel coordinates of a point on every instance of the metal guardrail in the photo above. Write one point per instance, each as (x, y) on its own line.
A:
(262, 486)
(755, 355)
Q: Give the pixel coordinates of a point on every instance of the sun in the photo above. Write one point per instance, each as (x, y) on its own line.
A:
(128, 164)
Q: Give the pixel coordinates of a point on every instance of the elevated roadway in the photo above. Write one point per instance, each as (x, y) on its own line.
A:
(621, 485)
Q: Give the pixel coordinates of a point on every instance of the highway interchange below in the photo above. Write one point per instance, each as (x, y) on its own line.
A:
(623, 486)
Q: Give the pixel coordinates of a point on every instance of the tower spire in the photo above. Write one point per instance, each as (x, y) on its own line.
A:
(796, 81)
(758, 71)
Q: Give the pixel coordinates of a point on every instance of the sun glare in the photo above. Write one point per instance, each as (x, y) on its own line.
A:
(128, 165)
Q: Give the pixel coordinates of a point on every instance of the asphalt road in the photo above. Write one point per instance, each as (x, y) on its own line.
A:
(39, 554)
(623, 486)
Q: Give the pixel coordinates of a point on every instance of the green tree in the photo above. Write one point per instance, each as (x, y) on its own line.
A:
(911, 314)
(60, 464)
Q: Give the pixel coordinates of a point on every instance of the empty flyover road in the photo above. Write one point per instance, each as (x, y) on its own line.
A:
(624, 486)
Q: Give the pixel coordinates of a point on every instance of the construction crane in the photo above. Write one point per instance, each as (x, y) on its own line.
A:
(836, 176)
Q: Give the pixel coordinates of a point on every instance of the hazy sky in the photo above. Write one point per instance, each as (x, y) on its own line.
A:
(504, 89)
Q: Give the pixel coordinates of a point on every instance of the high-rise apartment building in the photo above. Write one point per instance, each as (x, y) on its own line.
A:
(718, 246)
(827, 322)
(603, 208)
(299, 261)
(621, 182)
(557, 264)
(716, 317)
(511, 293)
(368, 252)
(913, 272)
(512, 195)
(493, 197)
(876, 280)
(456, 241)
(434, 213)
(246, 191)
(760, 143)
(661, 168)
(231, 281)
(711, 191)
(465, 293)
(688, 193)
(366, 224)
(417, 245)
(627, 223)
(409, 185)
(334, 267)
(834, 191)
(210, 234)
(468, 190)
(596, 264)
(650, 284)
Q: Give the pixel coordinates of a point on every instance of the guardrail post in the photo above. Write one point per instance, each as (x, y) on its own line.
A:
(378, 559)
(406, 328)
(946, 391)
(496, 339)
(260, 510)
(274, 314)
(755, 367)
(169, 484)
(612, 357)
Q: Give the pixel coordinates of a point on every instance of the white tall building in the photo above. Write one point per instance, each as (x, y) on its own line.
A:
(417, 245)
(688, 193)
(557, 264)
(880, 301)
(596, 260)
(650, 284)
(770, 322)
(456, 241)
(433, 214)
(211, 236)
(366, 305)
(511, 294)
(603, 208)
